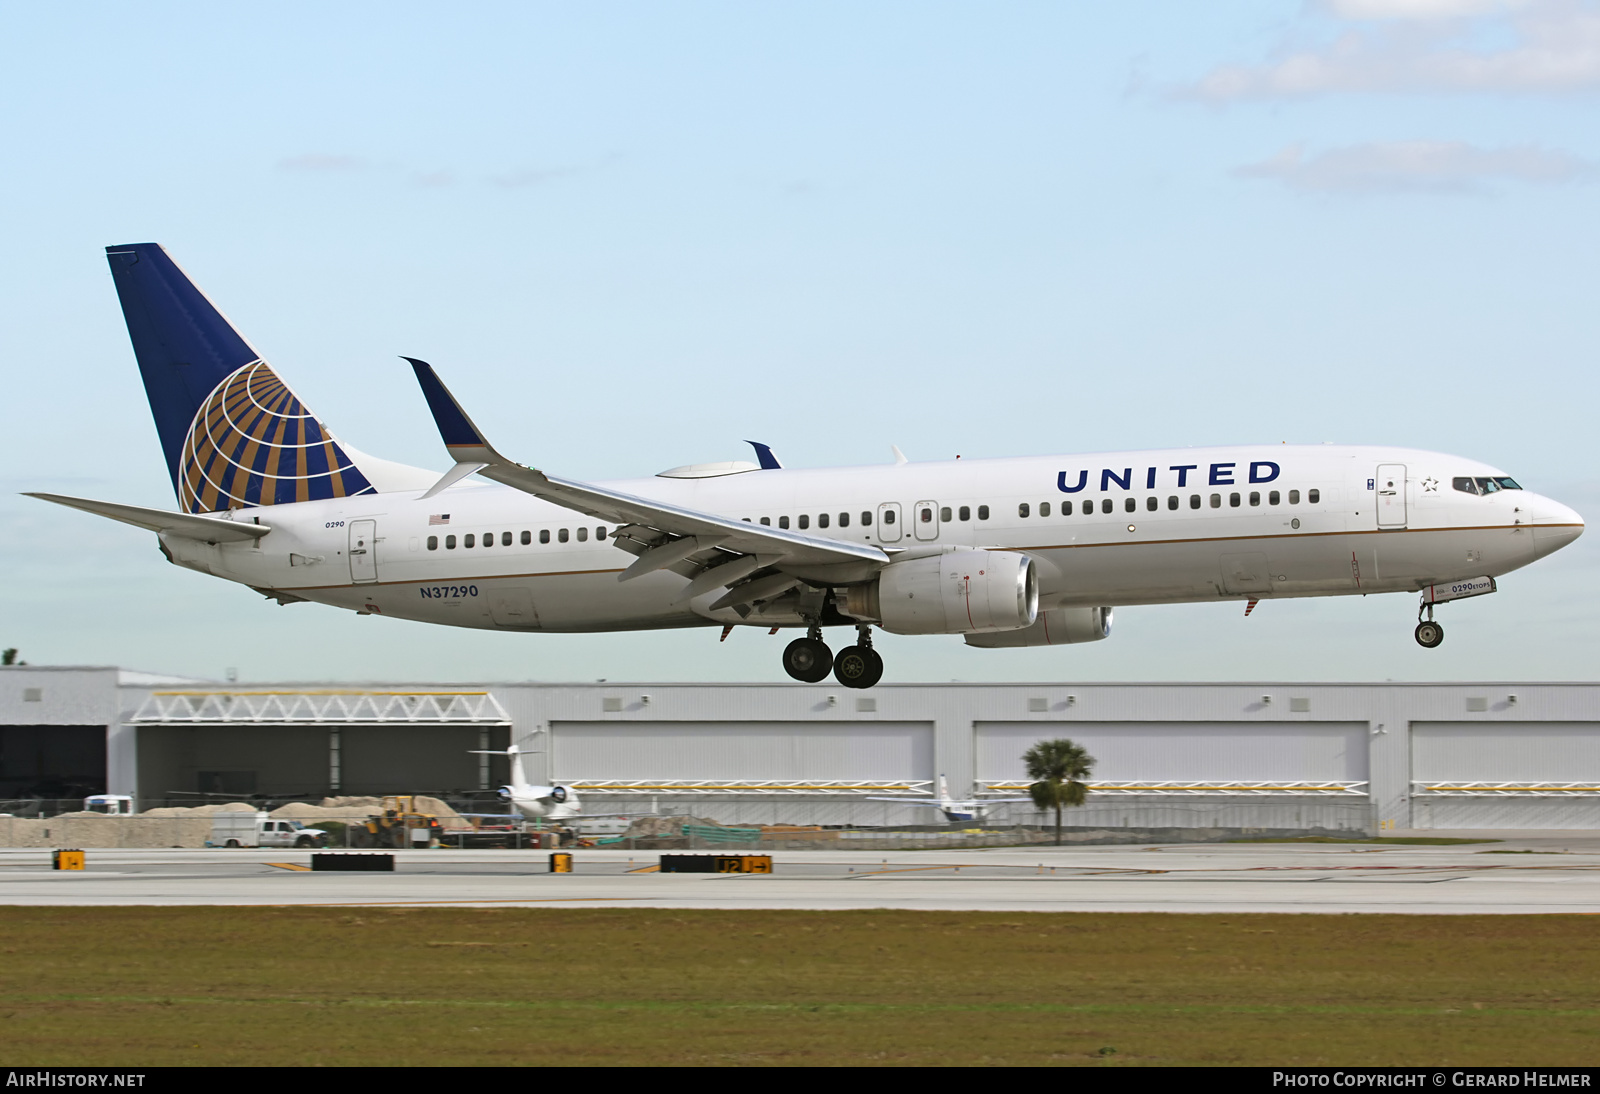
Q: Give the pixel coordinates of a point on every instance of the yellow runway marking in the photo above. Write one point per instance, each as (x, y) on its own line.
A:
(646, 869)
(289, 866)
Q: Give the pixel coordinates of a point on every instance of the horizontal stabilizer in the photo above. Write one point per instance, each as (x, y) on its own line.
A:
(206, 529)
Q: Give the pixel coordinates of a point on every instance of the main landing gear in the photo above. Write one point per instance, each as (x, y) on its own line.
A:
(808, 659)
(1428, 633)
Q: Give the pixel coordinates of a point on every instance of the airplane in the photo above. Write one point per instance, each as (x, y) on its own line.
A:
(964, 809)
(532, 801)
(1007, 553)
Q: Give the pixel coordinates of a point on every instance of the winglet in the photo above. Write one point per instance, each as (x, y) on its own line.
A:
(462, 439)
(769, 462)
(455, 428)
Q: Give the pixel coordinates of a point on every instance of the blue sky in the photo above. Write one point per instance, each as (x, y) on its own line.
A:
(630, 235)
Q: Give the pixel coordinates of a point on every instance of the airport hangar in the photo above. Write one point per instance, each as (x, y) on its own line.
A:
(1270, 756)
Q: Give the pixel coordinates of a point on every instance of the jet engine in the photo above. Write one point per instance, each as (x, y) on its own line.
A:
(557, 794)
(1058, 627)
(964, 592)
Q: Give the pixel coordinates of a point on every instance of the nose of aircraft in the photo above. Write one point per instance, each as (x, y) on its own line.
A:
(1554, 526)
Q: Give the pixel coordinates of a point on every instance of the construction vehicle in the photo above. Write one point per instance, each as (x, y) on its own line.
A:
(400, 825)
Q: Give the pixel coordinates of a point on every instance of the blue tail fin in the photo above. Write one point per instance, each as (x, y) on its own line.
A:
(234, 435)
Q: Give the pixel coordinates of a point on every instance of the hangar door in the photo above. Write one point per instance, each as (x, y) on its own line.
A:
(308, 744)
(1505, 775)
(1265, 754)
(733, 753)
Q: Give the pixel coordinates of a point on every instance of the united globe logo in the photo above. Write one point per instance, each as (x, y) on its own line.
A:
(253, 443)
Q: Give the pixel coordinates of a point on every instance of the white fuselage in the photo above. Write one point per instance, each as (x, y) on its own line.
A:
(1168, 526)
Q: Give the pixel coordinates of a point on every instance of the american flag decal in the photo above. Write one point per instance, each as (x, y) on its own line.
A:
(439, 518)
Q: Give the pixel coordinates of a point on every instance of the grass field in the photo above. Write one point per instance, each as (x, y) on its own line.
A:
(131, 986)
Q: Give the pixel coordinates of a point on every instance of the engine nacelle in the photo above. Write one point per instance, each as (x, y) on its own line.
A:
(965, 592)
(1060, 627)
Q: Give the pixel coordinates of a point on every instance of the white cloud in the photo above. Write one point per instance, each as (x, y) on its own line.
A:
(1418, 9)
(1554, 47)
(321, 161)
(534, 176)
(1417, 166)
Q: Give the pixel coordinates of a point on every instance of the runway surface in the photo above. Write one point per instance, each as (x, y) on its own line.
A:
(1544, 875)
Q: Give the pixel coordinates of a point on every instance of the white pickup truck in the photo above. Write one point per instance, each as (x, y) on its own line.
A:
(259, 830)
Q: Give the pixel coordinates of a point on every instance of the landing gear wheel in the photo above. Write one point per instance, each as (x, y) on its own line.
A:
(1429, 634)
(807, 660)
(858, 667)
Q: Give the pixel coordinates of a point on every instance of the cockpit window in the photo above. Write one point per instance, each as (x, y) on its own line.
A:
(1484, 485)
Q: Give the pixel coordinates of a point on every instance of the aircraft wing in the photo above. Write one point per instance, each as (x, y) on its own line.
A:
(664, 534)
(207, 529)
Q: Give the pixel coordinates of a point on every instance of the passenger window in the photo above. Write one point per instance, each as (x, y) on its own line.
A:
(1313, 495)
(1233, 500)
(866, 518)
(468, 540)
(488, 539)
(983, 512)
(966, 512)
(433, 543)
(1131, 504)
(925, 515)
(844, 520)
(544, 535)
(600, 532)
(505, 539)
(767, 521)
(1172, 501)
(562, 535)
(1255, 497)
(449, 543)
(804, 521)
(527, 538)
(1044, 509)
(1022, 510)
(1105, 505)
(888, 516)
(944, 513)
(1066, 508)
(583, 535)
(1152, 503)
(1216, 501)
(1194, 501)
(822, 520)
(1294, 497)
(783, 522)
(1274, 497)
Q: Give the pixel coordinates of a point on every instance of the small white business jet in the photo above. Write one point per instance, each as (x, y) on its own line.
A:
(954, 809)
(1006, 552)
(532, 800)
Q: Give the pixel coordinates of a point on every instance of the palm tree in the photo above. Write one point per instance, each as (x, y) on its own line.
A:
(1058, 769)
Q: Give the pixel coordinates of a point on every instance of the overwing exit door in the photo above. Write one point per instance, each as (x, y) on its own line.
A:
(889, 530)
(1391, 495)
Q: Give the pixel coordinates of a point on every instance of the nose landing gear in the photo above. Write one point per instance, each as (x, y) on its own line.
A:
(1428, 633)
